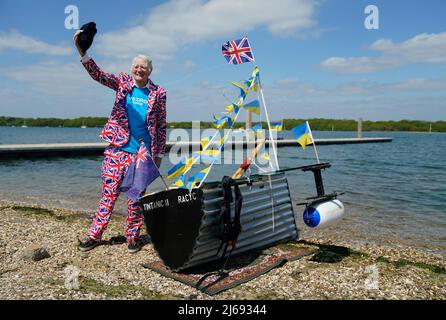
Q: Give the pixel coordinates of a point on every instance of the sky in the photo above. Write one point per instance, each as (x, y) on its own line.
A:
(317, 59)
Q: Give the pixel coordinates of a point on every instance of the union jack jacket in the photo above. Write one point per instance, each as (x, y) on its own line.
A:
(116, 131)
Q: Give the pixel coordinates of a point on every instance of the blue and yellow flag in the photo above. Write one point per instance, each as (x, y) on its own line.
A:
(180, 167)
(255, 72)
(277, 126)
(264, 154)
(205, 141)
(233, 108)
(181, 182)
(252, 84)
(253, 106)
(209, 156)
(220, 123)
(243, 90)
(222, 142)
(257, 127)
(195, 179)
(303, 134)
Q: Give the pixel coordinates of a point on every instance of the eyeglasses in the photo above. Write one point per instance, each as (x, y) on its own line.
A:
(140, 67)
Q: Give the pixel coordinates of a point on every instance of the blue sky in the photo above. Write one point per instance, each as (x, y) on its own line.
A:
(316, 57)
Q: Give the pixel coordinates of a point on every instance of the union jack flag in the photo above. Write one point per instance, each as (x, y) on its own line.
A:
(141, 155)
(140, 173)
(237, 51)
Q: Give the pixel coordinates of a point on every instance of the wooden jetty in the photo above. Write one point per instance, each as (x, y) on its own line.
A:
(10, 151)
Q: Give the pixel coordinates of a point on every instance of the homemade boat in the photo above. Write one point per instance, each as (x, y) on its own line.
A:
(191, 228)
(205, 222)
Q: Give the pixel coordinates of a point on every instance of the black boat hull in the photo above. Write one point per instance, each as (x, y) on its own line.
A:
(186, 228)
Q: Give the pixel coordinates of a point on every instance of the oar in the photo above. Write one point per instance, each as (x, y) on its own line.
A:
(245, 165)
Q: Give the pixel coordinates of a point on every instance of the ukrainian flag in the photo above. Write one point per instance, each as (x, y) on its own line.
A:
(243, 90)
(255, 72)
(264, 154)
(180, 167)
(277, 126)
(251, 83)
(222, 142)
(303, 134)
(205, 141)
(195, 179)
(253, 106)
(208, 156)
(257, 127)
(223, 121)
(233, 108)
(181, 182)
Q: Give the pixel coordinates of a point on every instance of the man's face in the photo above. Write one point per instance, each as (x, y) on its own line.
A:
(140, 71)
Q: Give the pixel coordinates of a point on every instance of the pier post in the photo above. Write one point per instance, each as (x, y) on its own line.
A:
(248, 123)
(360, 128)
(250, 136)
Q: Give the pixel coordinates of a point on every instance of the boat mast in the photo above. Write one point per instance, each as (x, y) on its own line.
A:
(271, 140)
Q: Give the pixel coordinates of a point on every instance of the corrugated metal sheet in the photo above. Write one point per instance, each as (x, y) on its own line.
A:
(267, 218)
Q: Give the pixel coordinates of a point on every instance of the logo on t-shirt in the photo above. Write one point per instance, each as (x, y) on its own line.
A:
(139, 101)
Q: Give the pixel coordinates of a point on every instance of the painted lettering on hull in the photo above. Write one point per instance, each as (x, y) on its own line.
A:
(156, 204)
(187, 197)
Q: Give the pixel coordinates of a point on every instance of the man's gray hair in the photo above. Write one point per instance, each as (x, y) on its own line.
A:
(146, 60)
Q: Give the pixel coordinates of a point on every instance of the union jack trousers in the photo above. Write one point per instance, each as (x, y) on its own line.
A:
(114, 167)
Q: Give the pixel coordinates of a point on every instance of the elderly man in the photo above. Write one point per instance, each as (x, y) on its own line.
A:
(139, 113)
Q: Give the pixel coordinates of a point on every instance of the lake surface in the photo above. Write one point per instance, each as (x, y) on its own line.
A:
(395, 193)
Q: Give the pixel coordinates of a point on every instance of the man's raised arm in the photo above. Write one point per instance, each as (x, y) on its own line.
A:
(103, 77)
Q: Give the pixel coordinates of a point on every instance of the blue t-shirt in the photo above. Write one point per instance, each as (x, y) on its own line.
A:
(136, 105)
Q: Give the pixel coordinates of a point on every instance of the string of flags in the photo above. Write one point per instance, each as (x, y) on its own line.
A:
(236, 52)
(210, 156)
(143, 170)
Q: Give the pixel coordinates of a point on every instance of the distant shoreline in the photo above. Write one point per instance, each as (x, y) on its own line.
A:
(100, 127)
(317, 124)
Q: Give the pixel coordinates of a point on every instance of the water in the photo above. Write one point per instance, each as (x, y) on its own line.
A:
(395, 192)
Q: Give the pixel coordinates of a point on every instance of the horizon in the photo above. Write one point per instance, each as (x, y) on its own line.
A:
(264, 120)
(317, 59)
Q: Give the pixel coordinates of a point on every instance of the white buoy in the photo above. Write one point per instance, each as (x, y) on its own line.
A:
(323, 214)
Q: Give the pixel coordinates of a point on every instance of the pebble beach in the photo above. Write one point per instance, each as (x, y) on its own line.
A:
(40, 260)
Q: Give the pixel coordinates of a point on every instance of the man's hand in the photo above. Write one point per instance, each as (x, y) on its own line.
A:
(158, 161)
(79, 49)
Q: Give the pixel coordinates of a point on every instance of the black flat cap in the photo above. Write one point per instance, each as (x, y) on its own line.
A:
(86, 38)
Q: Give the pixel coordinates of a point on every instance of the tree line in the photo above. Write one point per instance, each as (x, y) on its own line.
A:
(316, 124)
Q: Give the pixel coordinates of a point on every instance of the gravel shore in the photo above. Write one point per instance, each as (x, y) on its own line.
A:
(340, 270)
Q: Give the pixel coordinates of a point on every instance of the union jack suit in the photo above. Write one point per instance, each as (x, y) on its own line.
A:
(114, 167)
(116, 162)
(116, 130)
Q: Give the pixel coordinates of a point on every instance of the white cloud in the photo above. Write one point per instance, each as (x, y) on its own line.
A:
(183, 22)
(297, 89)
(49, 77)
(17, 41)
(294, 98)
(419, 84)
(66, 90)
(52, 89)
(421, 49)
